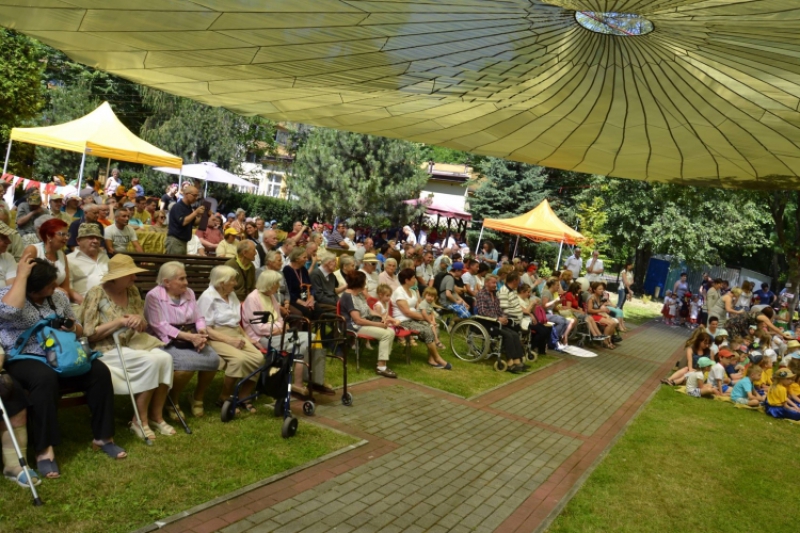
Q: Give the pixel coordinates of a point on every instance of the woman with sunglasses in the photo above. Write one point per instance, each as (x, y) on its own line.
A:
(160, 221)
(54, 235)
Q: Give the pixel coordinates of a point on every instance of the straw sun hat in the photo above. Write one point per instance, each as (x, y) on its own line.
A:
(120, 266)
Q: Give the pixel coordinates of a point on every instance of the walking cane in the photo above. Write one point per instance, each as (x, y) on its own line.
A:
(128, 381)
(37, 501)
(178, 414)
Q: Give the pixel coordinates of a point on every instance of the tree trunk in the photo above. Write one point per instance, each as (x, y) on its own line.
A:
(640, 262)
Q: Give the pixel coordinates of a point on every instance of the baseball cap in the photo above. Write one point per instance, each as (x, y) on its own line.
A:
(756, 357)
(458, 265)
(721, 332)
(231, 231)
(704, 362)
(724, 352)
(54, 197)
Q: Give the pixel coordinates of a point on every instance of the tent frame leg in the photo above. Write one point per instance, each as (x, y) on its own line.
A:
(80, 172)
(8, 155)
(560, 248)
(478, 246)
(516, 245)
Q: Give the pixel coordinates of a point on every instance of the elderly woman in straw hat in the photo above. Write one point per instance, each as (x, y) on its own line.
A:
(115, 305)
(172, 316)
(222, 311)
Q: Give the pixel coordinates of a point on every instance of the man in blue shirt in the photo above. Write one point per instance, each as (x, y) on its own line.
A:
(181, 219)
(765, 296)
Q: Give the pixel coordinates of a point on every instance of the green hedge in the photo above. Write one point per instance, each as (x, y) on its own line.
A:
(268, 208)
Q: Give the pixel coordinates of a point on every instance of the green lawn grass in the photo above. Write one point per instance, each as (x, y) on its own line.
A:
(465, 379)
(688, 465)
(638, 311)
(96, 494)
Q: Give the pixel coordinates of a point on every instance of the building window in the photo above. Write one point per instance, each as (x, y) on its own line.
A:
(273, 185)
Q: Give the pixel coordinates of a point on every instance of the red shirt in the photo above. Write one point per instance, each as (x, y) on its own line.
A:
(569, 298)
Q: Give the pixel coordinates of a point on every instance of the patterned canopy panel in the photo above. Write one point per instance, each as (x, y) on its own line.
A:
(709, 97)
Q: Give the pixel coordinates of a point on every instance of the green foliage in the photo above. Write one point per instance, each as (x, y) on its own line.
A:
(65, 103)
(508, 188)
(592, 217)
(267, 207)
(356, 176)
(440, 154)
(197, 132)
(21, 88)
(696, 225)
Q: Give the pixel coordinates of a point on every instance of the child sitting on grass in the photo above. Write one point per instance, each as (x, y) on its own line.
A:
(778, 403)
(744, 391)
(425, 307)
(695, 385)
(762, 384)
(718, 375)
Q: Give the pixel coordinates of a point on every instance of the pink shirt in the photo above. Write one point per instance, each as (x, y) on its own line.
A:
(161, 312)
(212, 235)
(251, 305)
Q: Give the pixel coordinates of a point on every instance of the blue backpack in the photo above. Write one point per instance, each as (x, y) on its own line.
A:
(65, 354)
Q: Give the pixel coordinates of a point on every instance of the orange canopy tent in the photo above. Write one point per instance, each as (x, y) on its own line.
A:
(539, 224)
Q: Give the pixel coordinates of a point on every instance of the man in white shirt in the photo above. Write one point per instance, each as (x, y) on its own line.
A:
(285, 249)
(425, 270)
(594, 268)
(369, 267)
(8, 267)
(119, 234)
(574, 263)
(87, 264)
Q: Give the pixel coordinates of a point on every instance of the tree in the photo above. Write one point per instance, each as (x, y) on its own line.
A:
(351, 175)
(592, 219)
(21, 90)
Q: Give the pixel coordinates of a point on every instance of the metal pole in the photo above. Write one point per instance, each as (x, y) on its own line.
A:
(560, 247)
(516, 244)
(478, 246)
(80, 173)
(108, 168)
(8, 154)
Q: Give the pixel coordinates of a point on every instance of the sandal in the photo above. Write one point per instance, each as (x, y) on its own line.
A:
(250, 408)
(141, 432)
(47, 467)
(22, 480)
(110, 449)
(440, 345)
(412, 342)
(174, 416)
(163, 428)
(197, 408)
(300, 389)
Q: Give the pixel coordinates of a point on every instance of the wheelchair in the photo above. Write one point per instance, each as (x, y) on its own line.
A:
(471, 341)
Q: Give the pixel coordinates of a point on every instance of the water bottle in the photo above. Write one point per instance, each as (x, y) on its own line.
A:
(50, 352)
(85, 345)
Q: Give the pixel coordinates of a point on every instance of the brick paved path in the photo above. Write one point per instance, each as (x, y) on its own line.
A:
(506, 461)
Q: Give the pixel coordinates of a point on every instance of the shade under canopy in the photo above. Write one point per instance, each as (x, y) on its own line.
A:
(710, 97)
(540, 224)
(101, 134)
(208, 171)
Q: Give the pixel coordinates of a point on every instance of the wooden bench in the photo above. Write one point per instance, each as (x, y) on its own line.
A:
(198, 269)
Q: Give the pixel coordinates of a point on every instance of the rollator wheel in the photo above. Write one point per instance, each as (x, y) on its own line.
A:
(278, 409)
(500, 365)
(309, 408)
(289, 427)
(347, 399)
(228, 411)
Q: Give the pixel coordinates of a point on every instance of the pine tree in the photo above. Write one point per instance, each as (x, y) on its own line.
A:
(351, 175)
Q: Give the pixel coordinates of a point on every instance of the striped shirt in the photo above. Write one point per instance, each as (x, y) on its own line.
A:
(163, 314)
(509, 303)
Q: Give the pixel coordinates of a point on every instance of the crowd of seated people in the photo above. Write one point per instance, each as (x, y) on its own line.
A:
(71, 260)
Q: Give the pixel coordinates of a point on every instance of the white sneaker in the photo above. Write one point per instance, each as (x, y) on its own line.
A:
(560, 347)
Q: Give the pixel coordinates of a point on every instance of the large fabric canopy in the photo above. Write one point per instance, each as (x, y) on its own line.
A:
(540, 224)
(101, 134)
(209, 171)
(709, 97)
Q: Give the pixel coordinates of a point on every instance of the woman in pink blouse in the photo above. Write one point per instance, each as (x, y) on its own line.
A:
(270, 334)
(172, 316)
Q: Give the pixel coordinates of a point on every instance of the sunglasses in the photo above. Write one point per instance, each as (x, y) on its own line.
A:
(62, 234)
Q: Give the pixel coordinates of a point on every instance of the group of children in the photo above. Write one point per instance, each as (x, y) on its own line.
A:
(743, 369)
(688, 308)
(425, 307)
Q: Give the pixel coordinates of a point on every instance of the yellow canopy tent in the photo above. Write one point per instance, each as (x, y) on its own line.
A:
(539, 224)
(101, 134)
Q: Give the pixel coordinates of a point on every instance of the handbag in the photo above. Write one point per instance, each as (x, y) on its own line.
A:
(63, 351)
(182, 344)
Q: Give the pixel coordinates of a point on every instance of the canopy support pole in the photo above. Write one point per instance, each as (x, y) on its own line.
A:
(478, 246)
(516, 244)
(8, 154)
(205, 191)
(80, 172)
(560, 248)
(108, 168)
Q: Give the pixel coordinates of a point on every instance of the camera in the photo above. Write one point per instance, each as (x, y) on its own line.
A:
(62, 322)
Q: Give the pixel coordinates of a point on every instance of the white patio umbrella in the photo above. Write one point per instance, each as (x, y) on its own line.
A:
(208, 171)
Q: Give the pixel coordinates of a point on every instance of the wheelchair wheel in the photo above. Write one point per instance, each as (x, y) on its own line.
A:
(442, 323)
(469, 341)
(500, 365)
(531, 356)
(289, 427)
